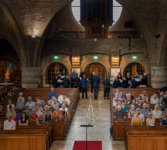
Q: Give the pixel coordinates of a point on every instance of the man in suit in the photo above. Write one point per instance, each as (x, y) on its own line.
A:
(107, 86)
(96, 82)
(84, 86)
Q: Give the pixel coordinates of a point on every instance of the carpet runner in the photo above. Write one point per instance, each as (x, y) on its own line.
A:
(91, 145)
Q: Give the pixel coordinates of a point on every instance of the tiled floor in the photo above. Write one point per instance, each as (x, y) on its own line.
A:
(100, 130)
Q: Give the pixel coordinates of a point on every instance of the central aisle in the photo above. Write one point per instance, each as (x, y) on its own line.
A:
(100, 131)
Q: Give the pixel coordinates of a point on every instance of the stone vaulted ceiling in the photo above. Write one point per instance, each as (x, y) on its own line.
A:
(151, 18)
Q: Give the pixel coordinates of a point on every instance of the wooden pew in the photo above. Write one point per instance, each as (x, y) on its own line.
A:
(118, 129)
(135, 92)
(59, 128)
(21, 139)
(47, 128)
(146, 138)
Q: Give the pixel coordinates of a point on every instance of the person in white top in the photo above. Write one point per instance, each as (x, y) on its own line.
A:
(9, 124)
(157, 112)
(10, 104)
(63, 109)
(154, 99)
(30, 103)
(150, 121)
(118, 94)
(66, 100)
(21, 97)
(60, 98)
(63, 98)
(20, 103)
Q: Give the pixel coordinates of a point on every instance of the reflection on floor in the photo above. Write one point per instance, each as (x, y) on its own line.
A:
(100, 131)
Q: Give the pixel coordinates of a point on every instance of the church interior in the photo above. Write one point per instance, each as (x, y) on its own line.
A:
(42, 40)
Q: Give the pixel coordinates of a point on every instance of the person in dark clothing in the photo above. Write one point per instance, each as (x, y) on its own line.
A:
(119, 113)
(119, 76)
(145, 79)
(128, 76)
(125, 83)
(84, 86)
(107, 86)
(81, 74)
(73, 79)
(77, 82)
(52, 93)
(116, 83)
(66, 82)
(164, 88)
(59, 81)
(96, 82)
(55, 83)
(91, 82)
(133, 83)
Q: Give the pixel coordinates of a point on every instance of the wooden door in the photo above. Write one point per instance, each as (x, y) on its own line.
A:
(134, 69)
(97, 68)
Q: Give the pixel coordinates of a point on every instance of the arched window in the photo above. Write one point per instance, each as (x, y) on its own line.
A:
(117, 9)
(75, 5)
(134, 69)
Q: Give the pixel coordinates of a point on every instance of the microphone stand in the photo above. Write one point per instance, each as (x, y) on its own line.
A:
(90, 110)
(86, 126)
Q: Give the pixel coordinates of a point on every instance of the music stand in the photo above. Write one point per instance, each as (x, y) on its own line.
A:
(86, 126)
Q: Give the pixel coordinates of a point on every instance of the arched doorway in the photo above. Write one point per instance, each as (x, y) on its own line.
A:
(10, 70)
(55, 69)
(97, 68)
(134, 69)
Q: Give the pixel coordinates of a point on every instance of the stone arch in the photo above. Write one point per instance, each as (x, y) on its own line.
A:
(104, 60)
(40, 45)
(48, 61)
(143, 60)
(12, 33)
(96, 67)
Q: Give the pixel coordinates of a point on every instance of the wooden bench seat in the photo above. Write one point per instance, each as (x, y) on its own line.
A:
(47, 128)
(21, 139)
(136, 91)
(146, 138)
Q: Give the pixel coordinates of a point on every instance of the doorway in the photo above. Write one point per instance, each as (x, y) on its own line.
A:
(55, 69)
(97, 68)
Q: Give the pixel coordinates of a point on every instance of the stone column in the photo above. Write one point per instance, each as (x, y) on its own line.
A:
(158, 76)
(31, 77)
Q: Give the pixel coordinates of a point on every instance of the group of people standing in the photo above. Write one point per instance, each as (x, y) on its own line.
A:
(95, 83)
(82, 82)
